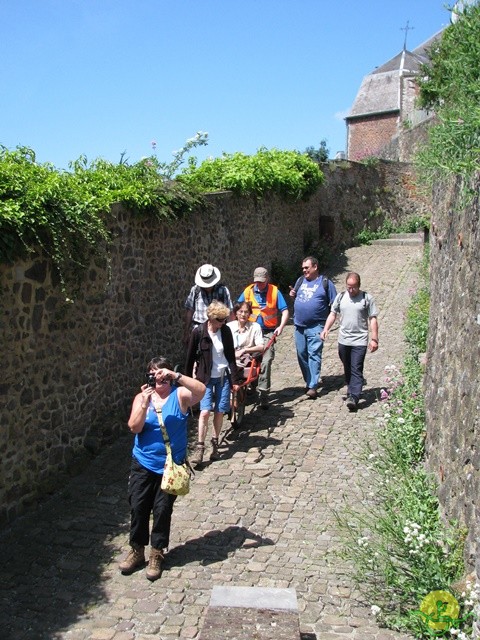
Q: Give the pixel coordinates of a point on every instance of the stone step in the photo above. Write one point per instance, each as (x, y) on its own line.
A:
(398, 239)
(243, 613)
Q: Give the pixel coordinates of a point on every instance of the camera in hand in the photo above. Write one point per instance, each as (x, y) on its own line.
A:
(151, 380)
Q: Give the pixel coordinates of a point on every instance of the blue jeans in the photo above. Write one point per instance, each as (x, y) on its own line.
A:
(353, 359)
(217, 395)
(309, 353)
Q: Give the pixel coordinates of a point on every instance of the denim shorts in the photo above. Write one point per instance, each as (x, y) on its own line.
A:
(217, 396)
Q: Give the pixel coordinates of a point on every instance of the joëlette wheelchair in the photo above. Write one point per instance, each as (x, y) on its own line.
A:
(251, 372)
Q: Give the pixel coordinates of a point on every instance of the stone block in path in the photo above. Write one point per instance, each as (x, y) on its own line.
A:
(244, 613)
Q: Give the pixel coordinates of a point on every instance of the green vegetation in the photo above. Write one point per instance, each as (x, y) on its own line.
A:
(68, 213)
(290, 174)
(450, 85)
(413, 224)
(399, 547)
(320, 154)
(370, 161)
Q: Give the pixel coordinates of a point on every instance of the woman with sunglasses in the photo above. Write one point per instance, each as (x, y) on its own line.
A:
(211, 348)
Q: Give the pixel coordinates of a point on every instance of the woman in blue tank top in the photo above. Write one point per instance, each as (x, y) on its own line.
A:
(148, 460)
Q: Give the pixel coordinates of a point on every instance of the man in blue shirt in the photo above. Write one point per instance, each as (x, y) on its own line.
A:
(267, 304)
(313, 295)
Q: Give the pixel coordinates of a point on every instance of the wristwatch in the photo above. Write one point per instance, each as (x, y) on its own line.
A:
(178, 376)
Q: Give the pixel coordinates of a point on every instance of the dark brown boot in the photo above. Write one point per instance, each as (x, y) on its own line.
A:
(154, 569)
(134, 559)
(197, 456)
(214, 455)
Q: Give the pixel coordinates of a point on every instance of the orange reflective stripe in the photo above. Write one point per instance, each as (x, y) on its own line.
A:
(270, 312)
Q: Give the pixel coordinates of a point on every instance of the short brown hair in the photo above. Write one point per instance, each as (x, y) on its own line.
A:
(239, 305)
(160, 362)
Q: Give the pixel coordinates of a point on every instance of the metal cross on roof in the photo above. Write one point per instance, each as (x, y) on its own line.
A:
(406, 28)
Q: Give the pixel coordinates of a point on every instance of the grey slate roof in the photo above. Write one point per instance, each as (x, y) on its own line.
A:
(380, 90)
(422, 49)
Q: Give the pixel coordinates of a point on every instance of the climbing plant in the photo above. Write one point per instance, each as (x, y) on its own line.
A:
(450, 86)
(67, 212)
(290, 174)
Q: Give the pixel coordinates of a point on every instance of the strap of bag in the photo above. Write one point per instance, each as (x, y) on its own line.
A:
(166, 439)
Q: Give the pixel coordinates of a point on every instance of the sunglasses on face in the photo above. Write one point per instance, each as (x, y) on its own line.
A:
(221, 320)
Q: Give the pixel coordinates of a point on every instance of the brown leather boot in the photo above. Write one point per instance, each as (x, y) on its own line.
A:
(214, 455)
(197, 456)
(134, 559)
(154, 569)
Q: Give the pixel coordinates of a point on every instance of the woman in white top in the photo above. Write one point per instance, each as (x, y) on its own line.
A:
(247, 336)
(211, 348)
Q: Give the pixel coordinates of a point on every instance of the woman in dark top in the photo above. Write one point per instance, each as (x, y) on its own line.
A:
(211, 349)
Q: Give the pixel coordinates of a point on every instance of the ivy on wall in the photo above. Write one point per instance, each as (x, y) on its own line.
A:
(66, 212)
(290, 174)
(450, 86)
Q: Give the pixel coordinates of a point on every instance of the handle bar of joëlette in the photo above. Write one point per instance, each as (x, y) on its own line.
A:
(255, 364)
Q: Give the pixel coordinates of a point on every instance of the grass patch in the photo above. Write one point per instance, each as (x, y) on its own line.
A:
(399, 547)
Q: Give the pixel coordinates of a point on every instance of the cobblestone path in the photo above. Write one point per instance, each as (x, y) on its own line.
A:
(261, 516)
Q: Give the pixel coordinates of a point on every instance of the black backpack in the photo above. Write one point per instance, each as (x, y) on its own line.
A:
(365, 301)
(221, 291)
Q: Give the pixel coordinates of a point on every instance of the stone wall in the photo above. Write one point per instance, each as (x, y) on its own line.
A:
(70, 368)
(405, 145)
(452, 373)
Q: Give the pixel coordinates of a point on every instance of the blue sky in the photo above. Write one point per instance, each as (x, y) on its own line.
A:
(102, 77)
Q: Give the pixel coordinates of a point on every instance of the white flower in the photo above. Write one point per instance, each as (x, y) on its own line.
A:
(375, 610)
(363, 541)
(401, 420)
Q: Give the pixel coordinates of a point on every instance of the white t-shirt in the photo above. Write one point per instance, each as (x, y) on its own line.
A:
(219, 361)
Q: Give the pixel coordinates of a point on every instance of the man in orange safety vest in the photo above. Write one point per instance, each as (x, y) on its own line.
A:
(268, 305)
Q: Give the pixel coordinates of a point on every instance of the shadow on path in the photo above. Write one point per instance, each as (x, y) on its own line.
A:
(214, 546)
(54, 556)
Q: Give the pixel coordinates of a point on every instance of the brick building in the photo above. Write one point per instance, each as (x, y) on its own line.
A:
(385, 104)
